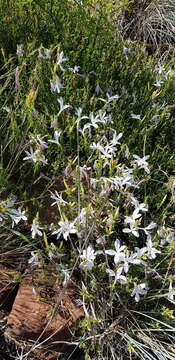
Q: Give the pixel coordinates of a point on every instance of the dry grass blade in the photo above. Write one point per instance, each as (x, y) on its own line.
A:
(150, 21)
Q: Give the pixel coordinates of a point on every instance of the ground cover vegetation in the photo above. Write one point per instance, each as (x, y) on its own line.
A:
(87, 179)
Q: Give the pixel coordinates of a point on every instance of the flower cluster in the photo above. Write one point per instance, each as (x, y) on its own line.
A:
(102, 216)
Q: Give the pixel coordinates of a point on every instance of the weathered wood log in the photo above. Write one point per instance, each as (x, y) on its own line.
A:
(44, 310)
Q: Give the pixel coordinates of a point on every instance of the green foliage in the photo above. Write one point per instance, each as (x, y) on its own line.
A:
(123, 68)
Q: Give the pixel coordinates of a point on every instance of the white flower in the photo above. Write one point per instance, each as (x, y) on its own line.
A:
(159, 68)
(113, 98)
(108, 151)
(101, 118)
(58, 199)
(127, 152)
(140, 207)
(78, 113)
(96, 146)
(151, 251)
(167, 235)
(154, 119)
(148, 228)
(9, 202)
(141, 162)
(118, 275)
(35, 156)
(75, 69)
(66, 228)
(162, 107)
(158, 83)
(115, 139)
(123, 181)
(46, 54)
(169, 72)
(35, 229)
(126, 51)
(61, 59)
(131, 259)
(82, 217)
(118, 253)
(5, 207)
(43, 145)
(88, 258)
(33, 261)
(62, 106)
(57, 135)
(133, 230)
(67, 276)
(171, 292)
(106, 189)
(98, 89)
(136, 117)
(93, 182)
(105, 118)
(2, 217)
(124, 178)
(55, 87)
(131, 220)
(17, 216)
(94, 120)
(138, 290)
(20, 50)
(101, 240)
(140, 252)
(99, 147)
(31, 155)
